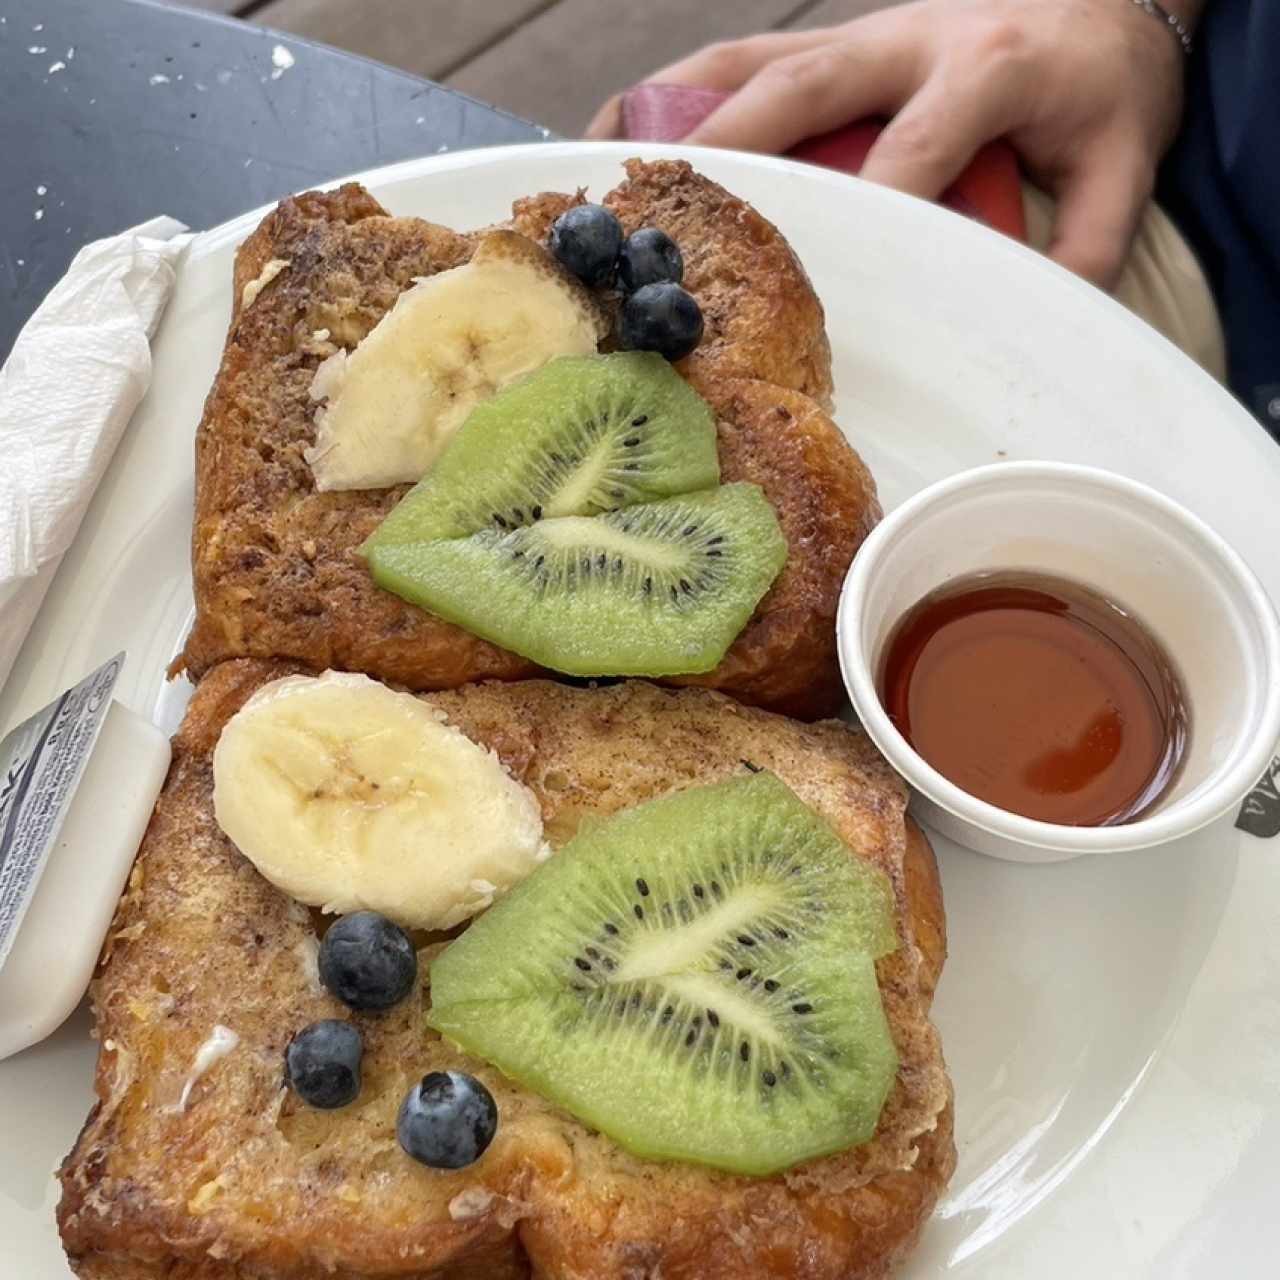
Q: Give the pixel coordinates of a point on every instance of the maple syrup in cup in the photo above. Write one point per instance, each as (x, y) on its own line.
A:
(1038, 695)
(1158, 561)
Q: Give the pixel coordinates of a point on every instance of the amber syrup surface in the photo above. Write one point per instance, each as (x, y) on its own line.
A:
(1038, 695)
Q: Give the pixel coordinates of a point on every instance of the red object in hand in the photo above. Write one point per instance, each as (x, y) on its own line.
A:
(990, 189)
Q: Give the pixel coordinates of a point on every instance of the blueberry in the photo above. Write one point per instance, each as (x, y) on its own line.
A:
(367, 962)
(322, 1063)
(663, 318)
(649, 256)
(447, 1120)
(586, 239)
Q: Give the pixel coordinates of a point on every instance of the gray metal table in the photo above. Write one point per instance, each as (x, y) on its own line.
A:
(112, 111)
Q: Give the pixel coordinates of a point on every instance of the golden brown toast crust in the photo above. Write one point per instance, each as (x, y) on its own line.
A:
(249, 1183)
(274, 563)
(825, 499)
(763, 319)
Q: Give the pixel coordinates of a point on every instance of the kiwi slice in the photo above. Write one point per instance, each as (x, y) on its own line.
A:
(652, 590)
(583, 434)
(694, 977)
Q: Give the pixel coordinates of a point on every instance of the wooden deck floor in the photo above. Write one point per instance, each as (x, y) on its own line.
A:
(551, 61)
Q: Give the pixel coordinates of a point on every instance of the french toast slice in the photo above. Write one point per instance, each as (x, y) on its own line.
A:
(763, 319)
(275, 563)
(247, 1183)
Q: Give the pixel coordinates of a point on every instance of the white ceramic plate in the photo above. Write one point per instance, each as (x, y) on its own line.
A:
(1112, 1027)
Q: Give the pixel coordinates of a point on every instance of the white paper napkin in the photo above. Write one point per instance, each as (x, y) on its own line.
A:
(77, 372)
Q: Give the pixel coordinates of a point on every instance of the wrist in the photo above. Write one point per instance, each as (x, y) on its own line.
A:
(1186, 11)
(1177, 17)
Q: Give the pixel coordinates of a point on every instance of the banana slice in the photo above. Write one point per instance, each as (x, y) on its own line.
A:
(348, 797)
(452, 340)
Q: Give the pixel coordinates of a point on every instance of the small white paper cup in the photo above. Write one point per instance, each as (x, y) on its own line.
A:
(1133, 545)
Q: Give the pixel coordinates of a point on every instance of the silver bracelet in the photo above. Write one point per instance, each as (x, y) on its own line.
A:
(1172, 21)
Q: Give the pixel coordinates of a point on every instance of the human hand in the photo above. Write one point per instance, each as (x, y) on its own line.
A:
(1089, 93)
